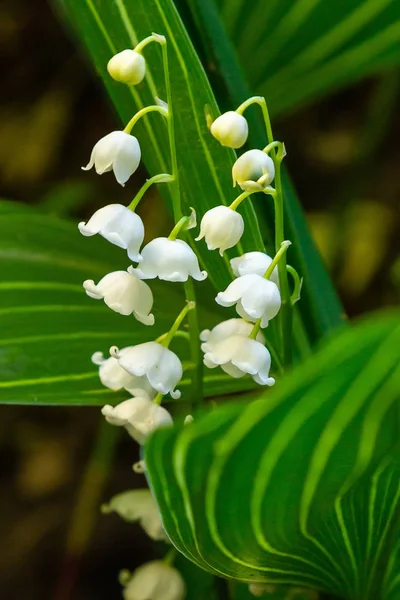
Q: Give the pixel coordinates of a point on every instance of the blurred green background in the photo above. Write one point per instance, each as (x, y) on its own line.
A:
(343, 156)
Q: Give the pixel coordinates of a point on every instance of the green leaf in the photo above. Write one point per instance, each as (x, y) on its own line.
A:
(297, 51)
(300, 487)
(50, 328)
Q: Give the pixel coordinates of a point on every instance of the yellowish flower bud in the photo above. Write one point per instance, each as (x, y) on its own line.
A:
(230, 129)
(253, 171)
(128, 67)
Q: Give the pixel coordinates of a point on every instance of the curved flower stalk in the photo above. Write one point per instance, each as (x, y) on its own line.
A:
(139, 415)
(125, 294)
(169, 260)
(138, 506)
(114, 377)
(152, 360)
(155, 580)
(254, 296)
(117, 151)
(118, 225)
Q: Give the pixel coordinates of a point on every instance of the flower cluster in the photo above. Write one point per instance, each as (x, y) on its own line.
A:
(150, 370)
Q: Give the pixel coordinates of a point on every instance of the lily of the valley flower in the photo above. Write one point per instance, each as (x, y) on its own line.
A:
(224, 330)
(138, 505)
(222, 227)
(155, 580)
(255, 298)
(253, 171)
(238, 356)
(114, 377)
(140, 417)
(127, 67)
(230, 129)
(160, 365)
(119, 225)
(253, 263)
(124, 293)
(170, 260)
(117, 151)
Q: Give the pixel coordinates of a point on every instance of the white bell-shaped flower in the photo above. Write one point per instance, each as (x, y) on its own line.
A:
(253, 171)
(127, 67)
(222, 227)
(155, 580)
(160, 365)
(255, 298)
(118, 225)
(254, 263)
(124, 293)
(138, 505)
(140, 417)
(117, 151)
(225, 330)
(170, 260)
(238, 356)
(230, 129)
(114, 377)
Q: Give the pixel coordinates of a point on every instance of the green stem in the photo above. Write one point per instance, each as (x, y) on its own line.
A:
(158, 398)
(183, 221)
(197, 388)
(295, 296)
(284, 246)
(256, 329)
(141, 113)
(165, 341)
(260, 100)
(239, 200)
(170, 557)
(160, 178)
(148, 40)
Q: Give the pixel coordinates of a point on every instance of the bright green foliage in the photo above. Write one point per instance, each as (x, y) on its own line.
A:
(50, 328)
(295, 51)
(301, 486)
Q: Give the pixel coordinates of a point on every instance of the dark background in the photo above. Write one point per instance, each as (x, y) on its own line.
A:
(343, 155)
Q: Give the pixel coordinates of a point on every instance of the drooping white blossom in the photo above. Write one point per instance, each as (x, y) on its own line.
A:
(170, 260)
(117, 151)
(127, 67)
(114, 377)
(155, 580)
(139, 415)
(254, 170)
(222, 227)
(238, 355)
(224, 330)
(230, 129)
(118, 225)
(124, 293)
(255, 298)
(254, 263)
(138, 505)
(160, 365)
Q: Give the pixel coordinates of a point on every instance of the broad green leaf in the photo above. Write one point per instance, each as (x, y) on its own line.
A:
(50, 328)
(300, 487)
(296, 51)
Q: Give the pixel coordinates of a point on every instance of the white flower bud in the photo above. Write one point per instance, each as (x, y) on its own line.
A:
(140, 417)
(124, 293)
(114, 377)
(118, 225)
(230, 129)
(155, 581)
(253, 171)
(160, 365)
(255, 298)
(238, 355)
(127, 66)
(138, 505)
(254, 263)
(224, 330)
(221, 227)
(170, 260)
(117, 151)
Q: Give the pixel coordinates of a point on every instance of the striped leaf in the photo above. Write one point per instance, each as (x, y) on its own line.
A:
(300, 487)
(50, 328)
